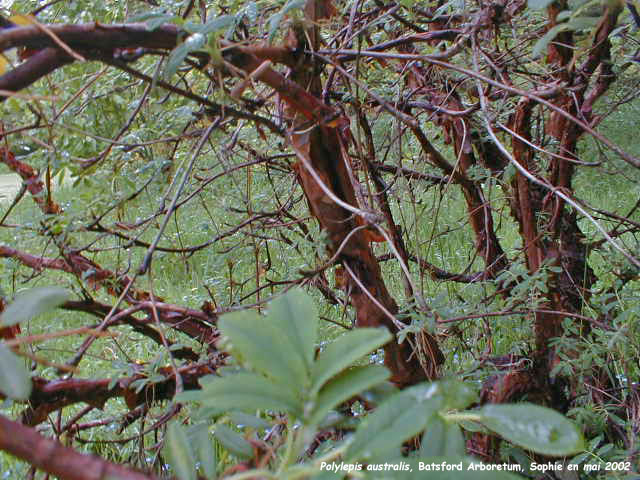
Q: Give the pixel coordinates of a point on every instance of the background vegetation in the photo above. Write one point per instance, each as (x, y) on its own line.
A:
(464, 174)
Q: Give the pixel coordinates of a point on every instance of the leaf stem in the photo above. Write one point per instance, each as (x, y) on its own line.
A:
(463, 416)
(289, 453)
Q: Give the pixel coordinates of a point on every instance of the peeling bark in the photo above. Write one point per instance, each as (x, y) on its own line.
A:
(52, 457)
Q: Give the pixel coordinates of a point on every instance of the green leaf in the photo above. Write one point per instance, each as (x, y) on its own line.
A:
(15, 381)
(434, 437)
(519, 456)
(442, 438)
(32, 303)
(160, 20)
(204, 414)
(250, 10)
(563, 15)
(473, 427)
(213, 48)
(178, 452)
(176, 58)
(378, 394)
(249, 391)
(344, 351)
(345, 386)
(154, 19)
(399, 418)
(276, 19)
(539, 4)
(578, 459)
(195, 41)
(241, 420)
(457, 394)
(145, 16)
(583, 23)
(233, 441)
(274, 23)
(204, 450)
(548, 37)
(183, 397)
(215, 24)
(266, 347)
(295, 315)
(535, 428)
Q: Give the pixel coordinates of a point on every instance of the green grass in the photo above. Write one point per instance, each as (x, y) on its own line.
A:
(444, 239)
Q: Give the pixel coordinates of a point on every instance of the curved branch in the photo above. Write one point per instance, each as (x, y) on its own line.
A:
(52, 457)
(49, 396)
(39, 65)
(91, 35)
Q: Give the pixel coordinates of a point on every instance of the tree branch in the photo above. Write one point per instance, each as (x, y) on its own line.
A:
(52, 457)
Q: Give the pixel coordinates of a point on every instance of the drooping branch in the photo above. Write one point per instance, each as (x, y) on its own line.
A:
(409, 173)
(37, 66)
(77, 264)
(144, 326)
(438, 273)
(91, 36)
(478, 208)
(196, 324)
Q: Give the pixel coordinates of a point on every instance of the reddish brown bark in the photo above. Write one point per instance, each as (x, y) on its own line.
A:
(196, 324)
(8, 333)
(54, 458)
(526, 199)
(565, 248)
(478, 207)
(37, 66)
(506, 387)
(554, 238)
(31, 179)
(457, 130)
(51, 395)
(325, 150)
